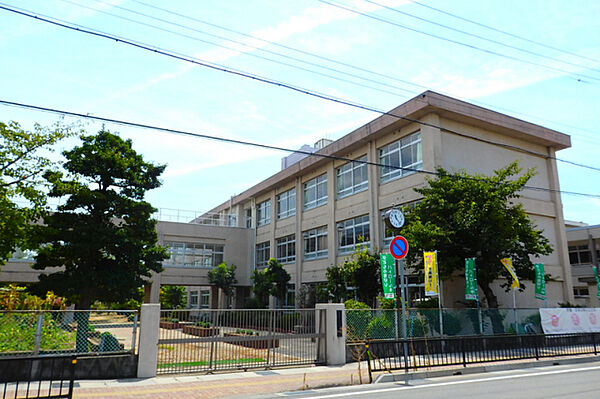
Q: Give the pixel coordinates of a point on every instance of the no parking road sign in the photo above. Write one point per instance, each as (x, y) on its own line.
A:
(399, 247)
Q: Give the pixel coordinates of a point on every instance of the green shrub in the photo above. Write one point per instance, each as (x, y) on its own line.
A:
(205, 324)
(380, 328)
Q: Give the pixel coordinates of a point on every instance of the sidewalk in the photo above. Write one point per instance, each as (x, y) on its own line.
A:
(232, 385)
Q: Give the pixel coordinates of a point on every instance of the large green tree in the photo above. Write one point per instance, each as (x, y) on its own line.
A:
(103, 235)
(476, 216)
(272, 280)
(22, 197)
(223, 277)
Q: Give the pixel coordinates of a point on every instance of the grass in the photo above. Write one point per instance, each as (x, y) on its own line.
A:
(205, 362)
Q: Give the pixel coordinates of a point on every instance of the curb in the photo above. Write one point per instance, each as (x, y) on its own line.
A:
(481, 369)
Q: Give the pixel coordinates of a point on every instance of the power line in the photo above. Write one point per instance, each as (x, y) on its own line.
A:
(505, 32)
(297, 89)
(324, 58)
(260, 145)
(481, 37)
(471, 46)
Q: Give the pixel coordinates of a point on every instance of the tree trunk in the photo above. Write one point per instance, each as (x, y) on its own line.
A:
(497, 325)
(82, 316)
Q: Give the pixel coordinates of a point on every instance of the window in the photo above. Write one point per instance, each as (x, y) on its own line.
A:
(189, 254)
(352, 232)
(315, 192)
(286, 249)
(290, 297)
(248, 218)
(263, 253)
(205, 299)
(352, 178)
(404, 153)
(286, 204)
(193, 299)
(263, 213)
(315, 243)
(579, 254)
(581, 292)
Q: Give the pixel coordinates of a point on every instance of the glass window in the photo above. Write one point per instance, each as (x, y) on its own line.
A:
(352, 178)
(205, 299)
(315, 243)
(248, 218)
(404, 153)
(190, 254)
(315, 192)
(286, 204)
(579, 254)
(263, 213)
(290, 296)
(263, 253)
(352, 232)
(581, 292)
(286, 249)
(193, 299)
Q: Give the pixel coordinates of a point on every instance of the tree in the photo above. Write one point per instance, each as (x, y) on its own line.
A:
(21, 170)
(223, 277)
(463, 216)
(272, 280)
(172, 297)
(103, 235)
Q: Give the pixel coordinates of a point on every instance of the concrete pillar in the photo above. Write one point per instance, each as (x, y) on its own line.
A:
(152, 289)
(148, 345)
(335, 332)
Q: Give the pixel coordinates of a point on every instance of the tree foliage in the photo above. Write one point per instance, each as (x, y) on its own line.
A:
(223, 277)
(22, 197)
(272, 280)
(464, 216)
(103, 234)
(172, 297)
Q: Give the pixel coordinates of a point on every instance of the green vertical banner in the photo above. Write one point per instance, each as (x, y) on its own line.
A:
(388, 275)
(595, 269)
(471, 293)
(540, 281)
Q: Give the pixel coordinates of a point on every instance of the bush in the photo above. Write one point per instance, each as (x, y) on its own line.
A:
(380, 328)
(205, 324)
(17, 333)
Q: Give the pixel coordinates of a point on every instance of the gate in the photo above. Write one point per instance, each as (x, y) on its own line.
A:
(199, 340)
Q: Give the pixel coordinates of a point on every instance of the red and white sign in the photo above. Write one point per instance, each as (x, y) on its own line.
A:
(570, 320)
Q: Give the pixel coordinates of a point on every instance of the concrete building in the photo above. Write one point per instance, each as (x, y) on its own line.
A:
(311, 214)
(584, 252)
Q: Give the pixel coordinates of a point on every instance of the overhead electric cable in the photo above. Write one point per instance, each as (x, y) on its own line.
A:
(259, 145)
(505, 32)
(480, 37)
(471, 46)
(298, 89)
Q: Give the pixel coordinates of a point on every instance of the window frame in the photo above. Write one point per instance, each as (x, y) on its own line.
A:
(318, 183)
(210, 255)
(287, 197)
(353, 224)
(351, 169)
(263, 213)
(263, 247)
(390, 171)
(315, 234)
(287, 242)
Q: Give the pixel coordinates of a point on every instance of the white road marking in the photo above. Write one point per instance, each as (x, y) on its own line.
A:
(441, 384)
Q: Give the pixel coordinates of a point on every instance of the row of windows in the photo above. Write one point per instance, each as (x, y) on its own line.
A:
(581, 254)
(203, 303)
(400, 158)
(189, 254)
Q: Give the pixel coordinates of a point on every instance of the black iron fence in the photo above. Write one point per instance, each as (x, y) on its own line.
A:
(431, 352)
(37, 376)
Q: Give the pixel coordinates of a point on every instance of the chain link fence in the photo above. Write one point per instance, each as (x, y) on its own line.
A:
(379, 324)
(32, 333)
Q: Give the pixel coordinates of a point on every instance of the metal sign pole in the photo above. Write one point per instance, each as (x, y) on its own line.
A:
(400, 265)
(515, 311)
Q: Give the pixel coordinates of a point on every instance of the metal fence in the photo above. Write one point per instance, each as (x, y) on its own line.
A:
(430, 352)
(51, 332)
(206, 340)
(365, 324)
(37, 377)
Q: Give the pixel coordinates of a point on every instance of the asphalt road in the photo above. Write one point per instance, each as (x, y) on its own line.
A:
(572, 381)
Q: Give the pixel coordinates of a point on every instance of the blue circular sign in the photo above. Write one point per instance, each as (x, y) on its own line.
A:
(399, 247)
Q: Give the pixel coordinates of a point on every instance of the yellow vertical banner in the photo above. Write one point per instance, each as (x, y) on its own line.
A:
(507, 262)
(431, 274)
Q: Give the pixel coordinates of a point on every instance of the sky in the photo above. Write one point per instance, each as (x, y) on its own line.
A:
(536, 60)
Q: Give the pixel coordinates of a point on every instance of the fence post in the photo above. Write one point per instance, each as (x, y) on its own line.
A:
(335, 340)
(464, 354)
(38, 334)
(537, 353)
(148, 344)
(594, 342)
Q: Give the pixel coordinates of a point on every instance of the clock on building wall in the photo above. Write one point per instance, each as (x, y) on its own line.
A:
(394, 218)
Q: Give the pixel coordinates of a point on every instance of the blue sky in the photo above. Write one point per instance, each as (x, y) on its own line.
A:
(50, 66)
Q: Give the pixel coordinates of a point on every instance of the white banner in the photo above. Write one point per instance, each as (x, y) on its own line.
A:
(570, 320)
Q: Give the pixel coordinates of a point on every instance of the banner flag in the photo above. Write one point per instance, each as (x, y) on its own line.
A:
(471, 293)
(431, 274)
(540, 281)
(595, 269)
(388, 275)
(507, 262)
